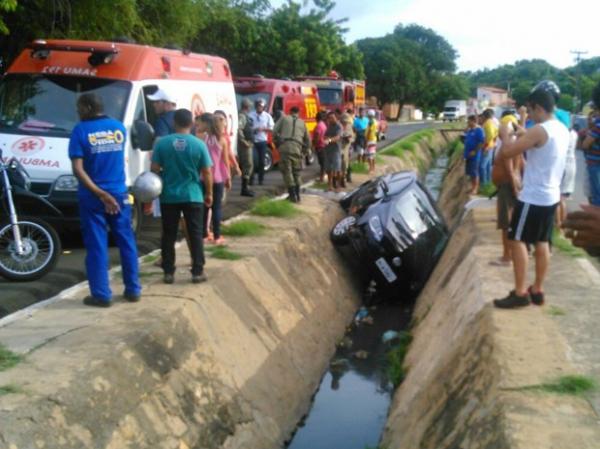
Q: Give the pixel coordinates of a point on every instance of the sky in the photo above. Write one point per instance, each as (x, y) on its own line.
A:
(486, 34)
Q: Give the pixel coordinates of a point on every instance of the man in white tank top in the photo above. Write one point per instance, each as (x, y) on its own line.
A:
(545, 145)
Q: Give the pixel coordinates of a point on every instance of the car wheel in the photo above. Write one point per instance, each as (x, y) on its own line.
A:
(339, 233)
(268, 160)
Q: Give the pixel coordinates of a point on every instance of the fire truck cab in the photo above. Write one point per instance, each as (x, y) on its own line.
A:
(279, 97)
(40, 89)
(338, 94)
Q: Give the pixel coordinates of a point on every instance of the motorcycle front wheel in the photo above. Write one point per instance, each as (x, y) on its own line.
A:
(40, 250)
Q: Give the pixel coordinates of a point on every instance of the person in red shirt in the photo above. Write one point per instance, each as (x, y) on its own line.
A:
(319, 142)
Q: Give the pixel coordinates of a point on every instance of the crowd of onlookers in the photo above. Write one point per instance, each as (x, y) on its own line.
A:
(529, 156)
(195, 161)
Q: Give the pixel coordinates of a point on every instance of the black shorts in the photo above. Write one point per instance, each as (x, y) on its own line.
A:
(531, 224)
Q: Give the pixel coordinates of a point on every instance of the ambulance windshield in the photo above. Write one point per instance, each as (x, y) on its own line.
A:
(330, 96)
(253, 97)
(45, 104)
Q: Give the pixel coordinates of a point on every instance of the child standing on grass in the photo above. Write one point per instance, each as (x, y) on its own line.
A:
(371, 138)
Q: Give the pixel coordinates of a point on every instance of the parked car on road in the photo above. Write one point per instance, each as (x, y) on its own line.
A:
(394, 234)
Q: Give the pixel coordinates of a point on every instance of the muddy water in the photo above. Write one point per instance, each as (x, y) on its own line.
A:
(351, 405)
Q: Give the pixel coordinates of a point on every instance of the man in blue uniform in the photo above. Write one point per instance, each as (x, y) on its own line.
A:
(96, 150)
(474, 140)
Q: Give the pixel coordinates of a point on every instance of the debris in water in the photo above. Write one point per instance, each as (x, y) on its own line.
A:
(345, 342)
(389, 336)
(362, 355)
(339, 364)
(361, 314)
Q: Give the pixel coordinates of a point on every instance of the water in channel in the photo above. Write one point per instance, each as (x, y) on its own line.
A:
(351, 405)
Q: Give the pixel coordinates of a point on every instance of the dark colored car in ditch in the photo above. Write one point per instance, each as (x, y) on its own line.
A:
(394, 234)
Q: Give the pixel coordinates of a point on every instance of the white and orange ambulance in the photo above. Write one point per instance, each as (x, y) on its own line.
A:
(39, 91)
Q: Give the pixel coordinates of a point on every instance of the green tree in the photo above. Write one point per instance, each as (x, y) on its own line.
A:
(6, 6)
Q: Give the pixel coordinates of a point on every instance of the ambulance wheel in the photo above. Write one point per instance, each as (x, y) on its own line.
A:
(268, 160)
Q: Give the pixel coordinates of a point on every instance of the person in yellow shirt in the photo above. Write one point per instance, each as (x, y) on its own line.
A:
(491, 134)
(371, 138)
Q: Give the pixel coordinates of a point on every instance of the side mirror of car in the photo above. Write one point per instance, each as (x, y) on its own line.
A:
(142, 135)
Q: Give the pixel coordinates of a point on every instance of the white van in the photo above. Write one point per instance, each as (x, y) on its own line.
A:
(39, 91)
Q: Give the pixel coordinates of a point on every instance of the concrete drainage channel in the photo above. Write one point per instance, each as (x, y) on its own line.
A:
(233, 363)
(351, 406)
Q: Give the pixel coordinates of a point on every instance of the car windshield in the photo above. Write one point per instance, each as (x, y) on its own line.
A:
(450, 109)
(330, 96)
(266, 97)
(45, 104)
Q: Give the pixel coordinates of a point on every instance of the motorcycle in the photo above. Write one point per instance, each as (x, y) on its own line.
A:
(29, 246)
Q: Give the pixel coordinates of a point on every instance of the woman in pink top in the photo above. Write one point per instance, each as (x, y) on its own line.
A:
(218, 149)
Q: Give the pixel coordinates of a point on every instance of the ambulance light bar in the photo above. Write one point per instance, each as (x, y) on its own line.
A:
(41, 49)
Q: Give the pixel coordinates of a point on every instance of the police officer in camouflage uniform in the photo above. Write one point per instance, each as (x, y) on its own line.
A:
(293, 142)
(245, 146)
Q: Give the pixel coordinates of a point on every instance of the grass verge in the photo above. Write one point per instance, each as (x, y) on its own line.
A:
(573, 385)
(455, 150)
(10, 389)
(564, 245)
(8, 359)
(555, 311)
(265, 207)
(224, 253)
(320, 185)
(409, 143)
(395, 359)
(487, 189)
(243, 228)
(150, 258)
(360, 168)
(148, 274)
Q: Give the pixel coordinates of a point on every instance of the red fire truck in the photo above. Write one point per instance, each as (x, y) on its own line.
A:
(279, 97)
(336, 93)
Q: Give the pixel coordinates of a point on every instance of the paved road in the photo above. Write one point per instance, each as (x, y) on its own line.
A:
(70, 268)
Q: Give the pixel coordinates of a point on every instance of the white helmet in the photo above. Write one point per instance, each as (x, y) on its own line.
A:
(371, 113)
(147, 187)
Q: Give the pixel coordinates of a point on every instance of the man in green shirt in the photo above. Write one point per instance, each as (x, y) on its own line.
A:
(180, 158)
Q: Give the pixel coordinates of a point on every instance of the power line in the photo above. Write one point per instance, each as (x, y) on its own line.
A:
(578, 54)
(578, 59)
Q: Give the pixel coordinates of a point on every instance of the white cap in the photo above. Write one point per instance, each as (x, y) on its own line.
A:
(162, 95)
(371, 113)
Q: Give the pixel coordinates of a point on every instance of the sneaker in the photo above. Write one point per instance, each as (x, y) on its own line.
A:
(199, 278)
(168, 278)
(536, 298)
(96, 302)
(512, 301)
(132, 297)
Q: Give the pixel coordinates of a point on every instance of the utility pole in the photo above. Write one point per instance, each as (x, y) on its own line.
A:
(578, 59)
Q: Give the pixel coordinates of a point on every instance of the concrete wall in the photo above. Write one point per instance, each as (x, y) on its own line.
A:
(232, 363)
(229, 364)
(470, 366)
